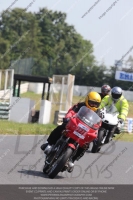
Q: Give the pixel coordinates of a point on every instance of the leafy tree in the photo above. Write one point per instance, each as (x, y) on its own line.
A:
(55, 46)
(4, 56)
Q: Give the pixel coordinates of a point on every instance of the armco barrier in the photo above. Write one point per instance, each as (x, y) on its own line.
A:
(4, 110)
(128, 126)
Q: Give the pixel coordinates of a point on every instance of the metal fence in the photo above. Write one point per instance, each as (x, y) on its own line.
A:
(22, 66)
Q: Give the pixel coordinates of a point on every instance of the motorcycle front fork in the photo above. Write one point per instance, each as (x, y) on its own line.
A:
(103, 140)
(106, 139)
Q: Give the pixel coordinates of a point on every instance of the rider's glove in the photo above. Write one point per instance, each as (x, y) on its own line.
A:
(65, 120)
(119, 126)
(120, 121)
(100, 113)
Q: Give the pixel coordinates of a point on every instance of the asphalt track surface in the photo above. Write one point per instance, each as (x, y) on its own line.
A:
(21, 162)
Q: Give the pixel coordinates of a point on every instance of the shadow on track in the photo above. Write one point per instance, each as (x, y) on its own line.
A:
(37, 174)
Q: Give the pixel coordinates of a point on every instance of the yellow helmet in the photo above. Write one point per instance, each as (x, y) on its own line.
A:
(93, 100)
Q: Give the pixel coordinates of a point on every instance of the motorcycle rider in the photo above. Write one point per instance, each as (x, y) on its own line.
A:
(92, 101)
(120, 103)
(105, 90)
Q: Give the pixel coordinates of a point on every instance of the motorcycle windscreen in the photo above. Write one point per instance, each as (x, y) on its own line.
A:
(111, 109)
(89, 117)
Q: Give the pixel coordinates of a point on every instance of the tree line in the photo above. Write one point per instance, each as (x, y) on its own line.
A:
(55, 46)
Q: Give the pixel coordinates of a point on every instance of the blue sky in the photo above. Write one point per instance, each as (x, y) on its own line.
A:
(111, 35)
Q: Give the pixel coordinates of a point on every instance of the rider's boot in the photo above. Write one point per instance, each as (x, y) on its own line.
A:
(46, 147)
(43, 146)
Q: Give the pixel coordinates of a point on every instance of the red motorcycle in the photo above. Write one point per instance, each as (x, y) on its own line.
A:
(80, 131)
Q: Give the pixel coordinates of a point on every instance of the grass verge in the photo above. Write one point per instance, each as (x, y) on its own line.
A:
(124, 137)
(13, 128)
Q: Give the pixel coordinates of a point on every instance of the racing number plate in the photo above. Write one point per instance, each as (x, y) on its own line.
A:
(80, 130)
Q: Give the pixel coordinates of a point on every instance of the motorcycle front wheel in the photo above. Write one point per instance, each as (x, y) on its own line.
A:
(49, 159)
(97, 145)
(45, 168)
(60, 163)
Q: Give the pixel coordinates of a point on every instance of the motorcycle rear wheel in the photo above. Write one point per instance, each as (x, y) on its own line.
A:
(60, 163)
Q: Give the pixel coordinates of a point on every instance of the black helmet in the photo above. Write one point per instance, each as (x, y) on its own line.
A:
(105, 89)
(116, 93)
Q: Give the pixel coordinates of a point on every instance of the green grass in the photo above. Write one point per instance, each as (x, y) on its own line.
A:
(33, 96)
(13, 128)
(55, 107)
(76, 99)
(130, 114)
(8, 127)
(124, 137)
